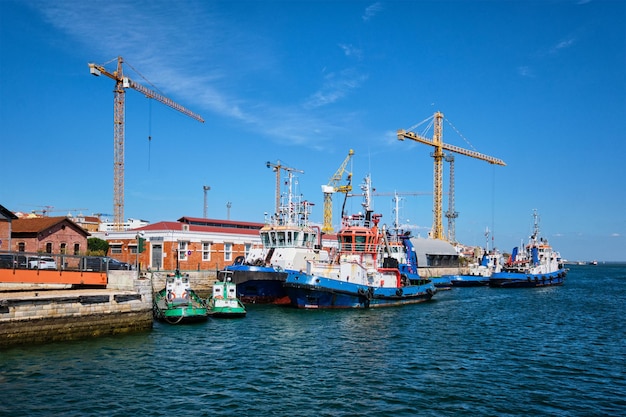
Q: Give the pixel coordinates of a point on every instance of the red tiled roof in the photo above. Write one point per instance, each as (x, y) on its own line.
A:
(178, 226)
(40, 224)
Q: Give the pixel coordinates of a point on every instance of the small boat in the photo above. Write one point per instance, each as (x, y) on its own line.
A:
(177, 302)
(288, 242)
(365, 272)
(536, 265)
(224, 302)
(480, 272)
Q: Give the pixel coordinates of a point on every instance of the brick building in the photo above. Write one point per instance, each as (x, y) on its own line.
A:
(54, 235)
(197, 243)
(6, 221)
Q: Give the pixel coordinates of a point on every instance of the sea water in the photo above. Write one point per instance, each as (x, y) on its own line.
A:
(470, 351)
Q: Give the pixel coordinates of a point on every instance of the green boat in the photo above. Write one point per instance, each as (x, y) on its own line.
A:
(177, 302)
(224, 302)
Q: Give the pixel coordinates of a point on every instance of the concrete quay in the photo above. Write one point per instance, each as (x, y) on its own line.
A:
(41, 313)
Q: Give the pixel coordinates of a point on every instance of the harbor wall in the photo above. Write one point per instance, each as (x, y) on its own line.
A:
(438, 272)
(39, 313)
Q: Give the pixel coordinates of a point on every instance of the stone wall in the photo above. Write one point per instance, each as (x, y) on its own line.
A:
(36, 316)
(200, 281)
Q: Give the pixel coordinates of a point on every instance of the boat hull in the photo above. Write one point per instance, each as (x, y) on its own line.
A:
(314, 292)
(442, 282)
(259, 284)
(522, 280)
(469, 281)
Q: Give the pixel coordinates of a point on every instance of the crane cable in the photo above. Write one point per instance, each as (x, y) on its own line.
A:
(461, 135)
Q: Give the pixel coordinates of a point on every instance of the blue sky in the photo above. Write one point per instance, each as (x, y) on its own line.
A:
(538, 84)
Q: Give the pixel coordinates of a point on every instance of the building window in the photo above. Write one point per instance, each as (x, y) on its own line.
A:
(246, 249)
(76, 248)
(182, 250)
(49, 247)
(115, 249)
(206, 251)
(63, 248)
(228, 251)
(21, 247)
(133, 249)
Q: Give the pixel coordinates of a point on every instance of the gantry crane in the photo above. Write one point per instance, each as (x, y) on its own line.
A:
(277, 167)
(451, 214)
(334, 187)
(121, 84)
(438, 155)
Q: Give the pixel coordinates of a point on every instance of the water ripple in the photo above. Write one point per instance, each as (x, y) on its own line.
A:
(472, 351)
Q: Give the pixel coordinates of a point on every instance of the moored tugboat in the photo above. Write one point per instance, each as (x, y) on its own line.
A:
(535, 265)
(177, 303)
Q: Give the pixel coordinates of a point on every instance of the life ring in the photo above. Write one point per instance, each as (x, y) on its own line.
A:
(361, 291)
(399, 292)
(170, 295)
(239, 260)
(185, 295)
(219, 297)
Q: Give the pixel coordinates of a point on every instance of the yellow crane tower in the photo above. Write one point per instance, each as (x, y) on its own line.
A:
(121, 84)
(438, 155)
(276, 168)
(334, 187)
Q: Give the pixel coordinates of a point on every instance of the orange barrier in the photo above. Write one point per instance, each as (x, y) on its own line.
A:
(43, 276)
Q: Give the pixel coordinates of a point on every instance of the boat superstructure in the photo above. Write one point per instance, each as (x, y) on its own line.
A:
(289, 241)
(366, 272)
(223, 301)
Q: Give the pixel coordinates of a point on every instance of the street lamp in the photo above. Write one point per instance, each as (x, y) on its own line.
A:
(205, 188)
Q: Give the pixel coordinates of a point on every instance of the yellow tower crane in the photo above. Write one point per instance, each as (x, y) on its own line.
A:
(334, 187)
(438, 155)
(121, 84)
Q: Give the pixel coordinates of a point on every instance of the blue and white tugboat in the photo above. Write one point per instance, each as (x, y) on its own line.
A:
(479, 272)
(364, 274)
(535, 265)
(288, 242)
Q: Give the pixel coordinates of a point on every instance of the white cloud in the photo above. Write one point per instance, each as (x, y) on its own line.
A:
(336, 86)
(372, 10)
(525, 71)
(350, 50)
(564, 44)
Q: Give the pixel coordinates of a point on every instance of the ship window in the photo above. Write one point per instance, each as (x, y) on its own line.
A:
(360, 243)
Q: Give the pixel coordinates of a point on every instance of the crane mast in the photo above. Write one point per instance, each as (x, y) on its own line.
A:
(438, 155)
(451, 214)
(276, 168)
(121, 84)
(334, 187)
